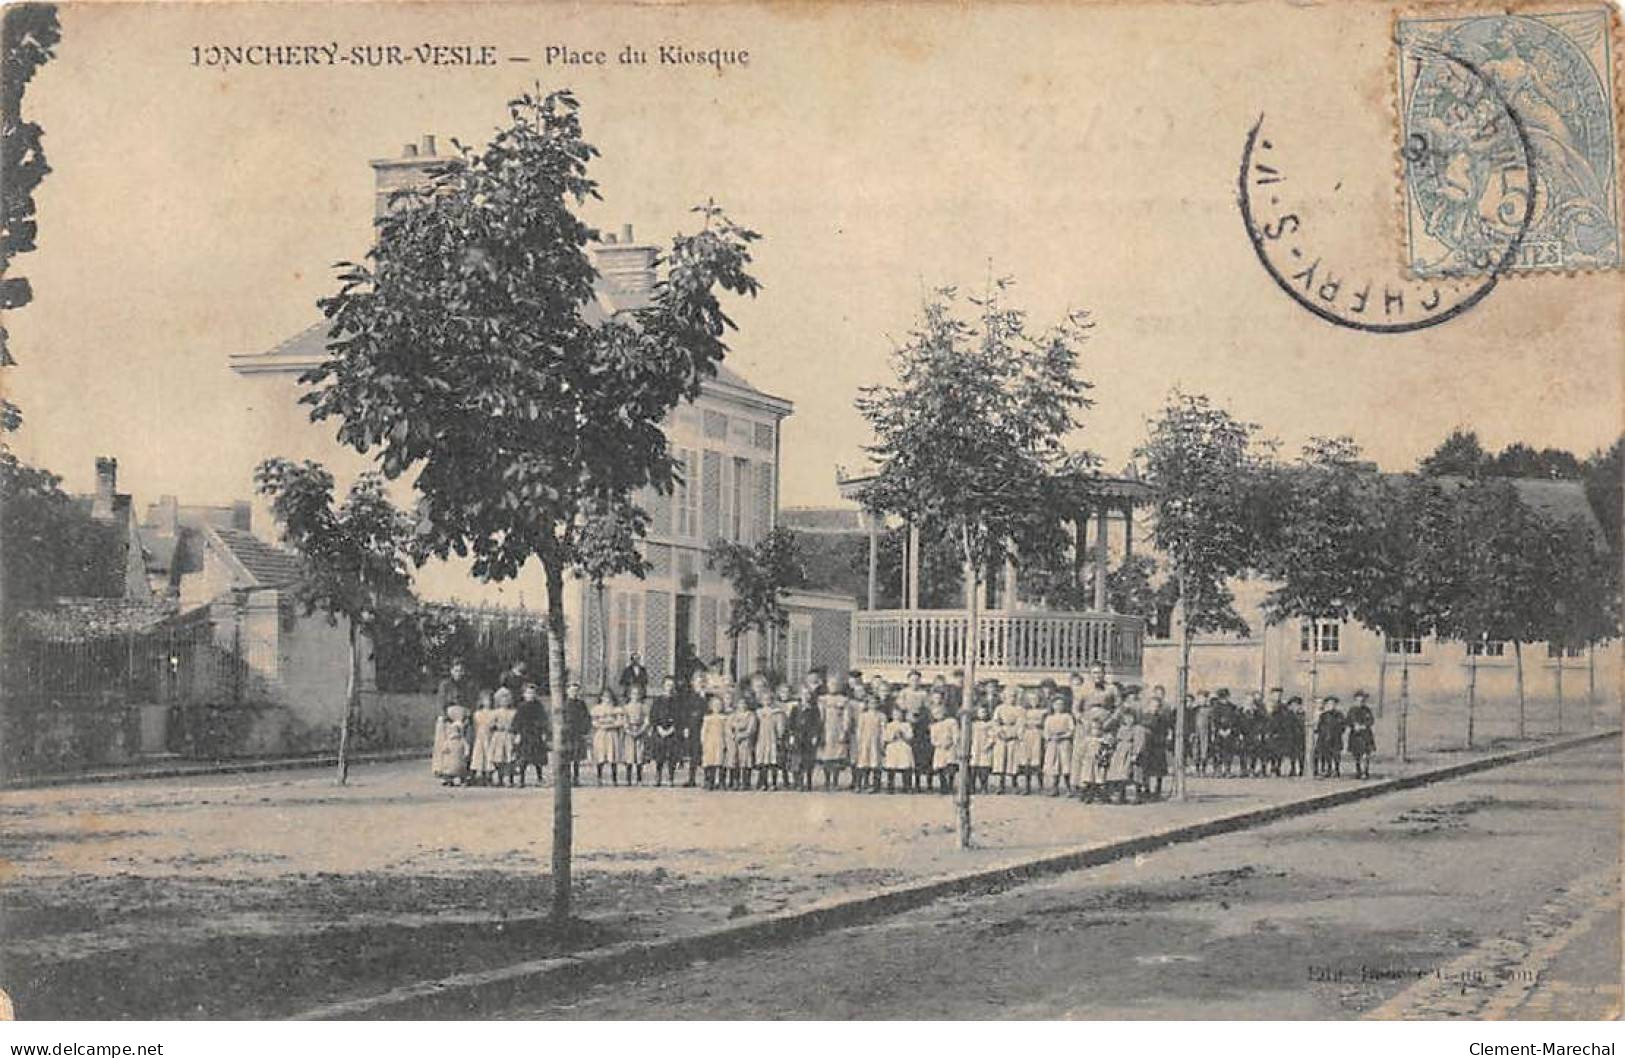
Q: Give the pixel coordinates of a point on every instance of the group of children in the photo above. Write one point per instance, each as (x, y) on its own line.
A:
(1259, 739)
(498, 741)
(1093, 740)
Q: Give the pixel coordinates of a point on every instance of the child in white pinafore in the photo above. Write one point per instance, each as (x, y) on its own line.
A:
(981, 747)
(499, 749)
(451, 738)
(898, 757)
(479, 756)
(713, 740)
(944, 744)
(1059, 729)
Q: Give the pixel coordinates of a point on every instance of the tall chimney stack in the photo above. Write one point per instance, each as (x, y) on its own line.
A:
(101, 508)
(411, 169)
(626, 268)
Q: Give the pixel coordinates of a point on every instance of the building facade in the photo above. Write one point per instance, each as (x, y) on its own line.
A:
(726, 442)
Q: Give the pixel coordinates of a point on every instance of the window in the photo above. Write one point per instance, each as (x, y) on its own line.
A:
(1573, 652)
(764, 436)
(1320, 637)
(1489, 648)
(799, 663)
(1411, 645)
(716, 425)
(626, 628)
(739, 519)
(688, 494)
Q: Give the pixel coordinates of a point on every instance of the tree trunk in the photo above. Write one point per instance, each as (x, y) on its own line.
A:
(1404, 702)
(1182, 689)
(1591, 685)
(1517, 653)
(558, 757)
(603, 635)
(1382, 678)
(1560, 659)
(967, 707)
(352, 690)
(1472, 692)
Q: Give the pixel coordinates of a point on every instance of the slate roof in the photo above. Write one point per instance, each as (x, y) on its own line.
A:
(311, 344)
(269, 566)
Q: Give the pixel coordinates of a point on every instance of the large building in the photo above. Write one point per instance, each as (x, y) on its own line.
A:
(727, 442)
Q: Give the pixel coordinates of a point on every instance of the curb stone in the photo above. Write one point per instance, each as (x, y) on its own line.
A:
(191, 769)
(485, 991)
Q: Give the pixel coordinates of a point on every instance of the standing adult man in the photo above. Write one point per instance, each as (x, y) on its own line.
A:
(634, 675)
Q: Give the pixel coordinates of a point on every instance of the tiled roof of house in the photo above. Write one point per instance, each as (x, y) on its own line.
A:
(270, 566)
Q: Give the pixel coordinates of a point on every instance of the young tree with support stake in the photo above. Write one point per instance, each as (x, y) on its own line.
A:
(1584, 596)
(1408, 585)
(760, 576)
(1318, 554)
(461, 353)
(1202, 466)
(355, 558)
(970, 444)
(1504, 582)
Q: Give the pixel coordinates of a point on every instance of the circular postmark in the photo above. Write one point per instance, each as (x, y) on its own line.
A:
(1325, 247)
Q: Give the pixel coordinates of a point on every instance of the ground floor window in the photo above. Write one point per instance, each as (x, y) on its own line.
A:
(626, 628)
(1320, 637)
(1411, 645)
(1489, 648)
(1552, 650)
(799, 663)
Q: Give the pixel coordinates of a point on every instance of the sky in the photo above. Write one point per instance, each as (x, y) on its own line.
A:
(1090, 152)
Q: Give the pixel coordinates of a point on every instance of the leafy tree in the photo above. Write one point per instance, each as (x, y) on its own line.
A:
(1319, 555)
(29, 34)
(1504, 587)
(1583, 583)
(607, 546)
(355, 558)
(760, 575)
(1133, 588)
(1460, 454)
(462, 352)
(970, 444)
(49, 545)
(1604, 475)
(1408, 575)
(1202, 465)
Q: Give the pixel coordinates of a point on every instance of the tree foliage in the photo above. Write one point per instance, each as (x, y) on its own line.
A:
(1319, 555)
(460, 349)
(354, 553)
(1203, 466)
(760, 575)
(30, 36)
(50, 546)
(970, 440)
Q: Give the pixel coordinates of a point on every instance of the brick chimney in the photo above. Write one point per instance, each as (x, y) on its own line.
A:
(411, 169)
(101, 508)
(626, 268)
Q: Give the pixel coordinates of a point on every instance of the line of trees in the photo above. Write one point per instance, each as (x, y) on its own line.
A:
(1408, 556)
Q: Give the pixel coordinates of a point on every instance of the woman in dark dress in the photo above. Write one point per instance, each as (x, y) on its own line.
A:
(1362, 736)
(920, 743)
